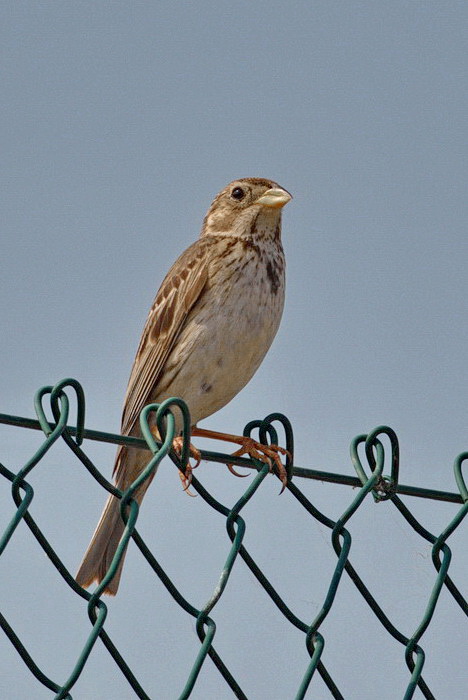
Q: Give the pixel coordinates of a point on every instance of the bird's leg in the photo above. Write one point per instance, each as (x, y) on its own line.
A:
(270, 454)
(186, 478)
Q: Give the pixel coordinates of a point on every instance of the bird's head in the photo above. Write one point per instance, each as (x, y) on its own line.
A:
(247, 207)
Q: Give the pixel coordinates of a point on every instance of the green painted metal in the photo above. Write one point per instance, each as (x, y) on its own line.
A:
(370, 480)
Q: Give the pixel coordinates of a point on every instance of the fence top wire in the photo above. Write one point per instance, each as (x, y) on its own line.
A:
(369, 458)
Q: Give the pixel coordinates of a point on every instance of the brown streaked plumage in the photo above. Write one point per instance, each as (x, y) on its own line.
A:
(210, 325)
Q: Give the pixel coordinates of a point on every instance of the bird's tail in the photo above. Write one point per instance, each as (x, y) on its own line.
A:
(109, 530)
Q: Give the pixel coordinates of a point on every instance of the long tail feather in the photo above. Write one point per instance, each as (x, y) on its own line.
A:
(109, 530)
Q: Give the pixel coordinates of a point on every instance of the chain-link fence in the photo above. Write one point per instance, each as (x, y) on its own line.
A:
(369, 458)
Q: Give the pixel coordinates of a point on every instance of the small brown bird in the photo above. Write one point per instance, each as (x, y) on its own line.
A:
(210, 326)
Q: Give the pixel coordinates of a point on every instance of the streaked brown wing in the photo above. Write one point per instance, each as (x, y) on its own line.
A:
(178, 293)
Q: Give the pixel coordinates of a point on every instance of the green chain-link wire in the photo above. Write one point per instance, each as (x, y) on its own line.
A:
(382, 487)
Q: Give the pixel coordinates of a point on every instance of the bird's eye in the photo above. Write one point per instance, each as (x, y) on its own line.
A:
(238, 193)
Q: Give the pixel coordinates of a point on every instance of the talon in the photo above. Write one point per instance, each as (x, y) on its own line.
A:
(233, 471)
(186, 480)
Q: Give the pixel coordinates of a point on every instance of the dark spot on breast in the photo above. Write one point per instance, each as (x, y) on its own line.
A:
(273, 277)
(250, 245)
(206, 388)
(219, 362)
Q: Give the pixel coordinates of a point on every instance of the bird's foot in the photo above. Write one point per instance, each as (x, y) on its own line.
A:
(194, 453)
(270, 454)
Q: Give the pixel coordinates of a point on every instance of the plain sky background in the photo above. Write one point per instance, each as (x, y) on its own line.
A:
(119, 123)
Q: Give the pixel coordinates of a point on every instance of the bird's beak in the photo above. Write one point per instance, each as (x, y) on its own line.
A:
(275, 198)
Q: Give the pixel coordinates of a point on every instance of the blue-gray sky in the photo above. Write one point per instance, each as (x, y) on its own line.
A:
(120, 122)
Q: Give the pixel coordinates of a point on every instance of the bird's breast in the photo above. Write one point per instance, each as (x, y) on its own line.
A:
(230, 329)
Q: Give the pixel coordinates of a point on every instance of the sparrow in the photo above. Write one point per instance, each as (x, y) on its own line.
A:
(212, 321)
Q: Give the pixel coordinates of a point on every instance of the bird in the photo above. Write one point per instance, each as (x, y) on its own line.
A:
(212, 321)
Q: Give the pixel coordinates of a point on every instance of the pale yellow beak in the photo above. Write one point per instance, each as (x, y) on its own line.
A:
(275, 198)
